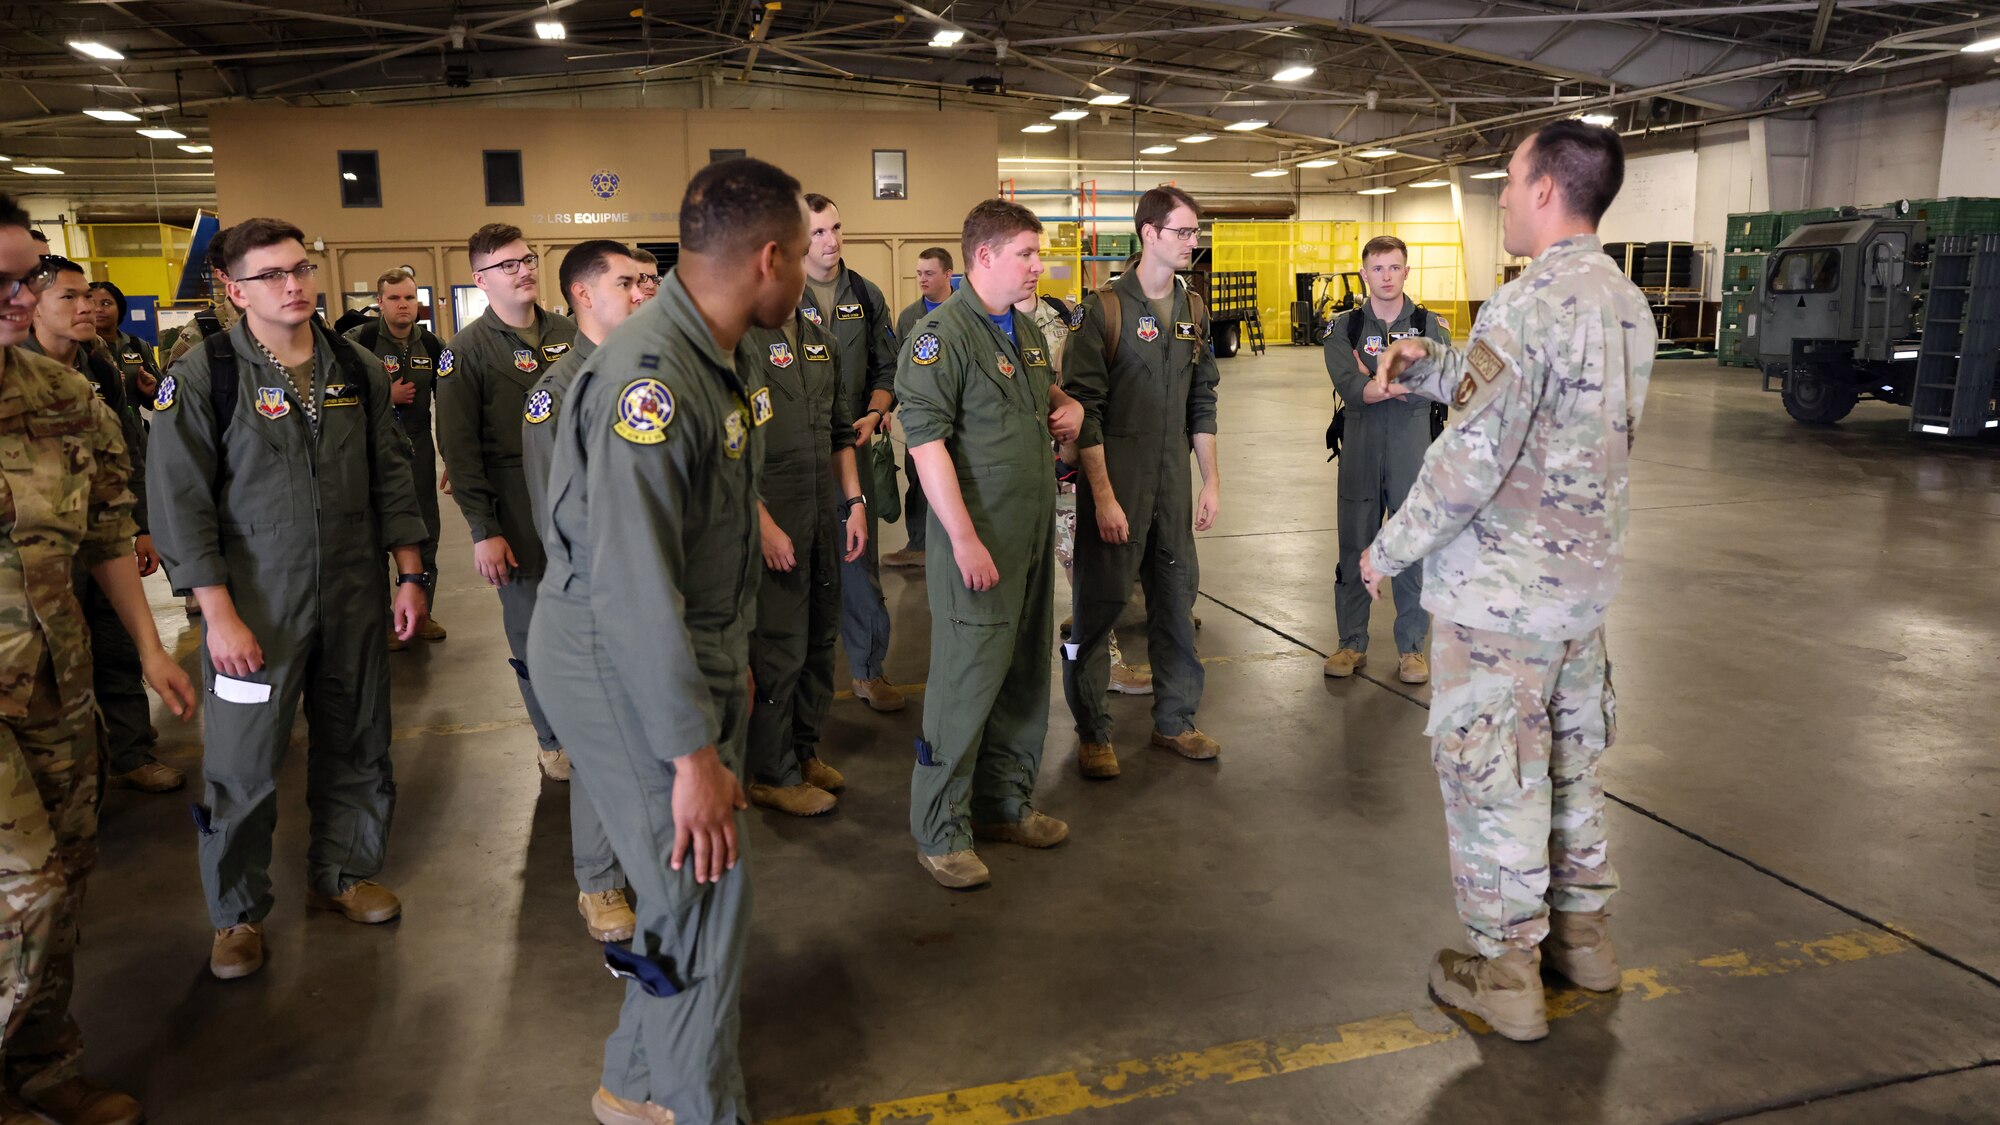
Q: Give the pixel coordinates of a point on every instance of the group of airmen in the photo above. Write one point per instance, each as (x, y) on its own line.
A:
(673, 490)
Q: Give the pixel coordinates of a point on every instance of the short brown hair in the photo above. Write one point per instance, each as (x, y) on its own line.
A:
(1383, 244)
(392, 277)
(937, 254)
(815, 202)
(490, 238)
(994, 221)
(253, 234)
(645, 257)
(1157, 204)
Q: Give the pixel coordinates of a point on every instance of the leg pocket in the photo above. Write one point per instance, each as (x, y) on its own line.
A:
(1482, 759)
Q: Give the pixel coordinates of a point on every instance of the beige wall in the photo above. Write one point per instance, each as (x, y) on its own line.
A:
(280, 161)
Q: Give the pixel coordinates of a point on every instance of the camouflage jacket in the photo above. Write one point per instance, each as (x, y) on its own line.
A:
(63, 503)
(1519, 512)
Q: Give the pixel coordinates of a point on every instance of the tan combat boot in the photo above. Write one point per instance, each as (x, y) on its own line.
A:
(396, 643)
(1127, 680)
(1097, 759)
(79, 1101)
(611, 1109)
(904, 557)
(1579, 947)
(366, 901)
(555, 763)
(957, 870)
(1343, 664)
(794, 800)
(607, 915)
(433, 630)
(1189, 743)
(150, 777)
(879, 694)
(1035, 829)
(1413, 668)
(1505, 991)
(819, 775)
(238, 951)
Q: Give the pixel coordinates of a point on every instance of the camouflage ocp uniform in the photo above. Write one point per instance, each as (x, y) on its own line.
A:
(1519, 518)
(63, 503)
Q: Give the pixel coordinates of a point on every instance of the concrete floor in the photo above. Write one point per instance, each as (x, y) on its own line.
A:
(1804, 654)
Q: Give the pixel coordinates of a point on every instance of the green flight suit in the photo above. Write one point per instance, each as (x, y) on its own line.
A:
(986, 708)
(915, 509)
(865, 352)
(295, 521)
(798, 611)
(482, 390)
(642, 642)
(1144, 408)
(414, 361)
(591, 858)
(134, 358)
(1381, 449)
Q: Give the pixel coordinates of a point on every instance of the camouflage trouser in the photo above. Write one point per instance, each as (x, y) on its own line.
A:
(51, 776)
(1517, 727)
(1066, 548)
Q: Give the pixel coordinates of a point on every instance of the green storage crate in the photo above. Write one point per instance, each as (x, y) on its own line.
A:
(1742, 273)
(1957, 215)
(1751, 232)
(1789, 221)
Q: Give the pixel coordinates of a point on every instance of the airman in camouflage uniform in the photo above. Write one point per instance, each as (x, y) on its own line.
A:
(1519, 518)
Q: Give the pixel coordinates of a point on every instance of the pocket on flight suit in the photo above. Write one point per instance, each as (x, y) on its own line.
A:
(1482, 759)
(1610, 707)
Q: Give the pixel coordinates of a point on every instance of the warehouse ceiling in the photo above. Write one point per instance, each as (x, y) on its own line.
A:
(1439, 80)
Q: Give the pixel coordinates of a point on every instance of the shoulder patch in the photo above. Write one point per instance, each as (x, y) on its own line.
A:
(445, 363)
(645, 410)
(1076, 317)
(540, 405)
(1484, 361)
(163, 399)
(925, 349)
(760, 406)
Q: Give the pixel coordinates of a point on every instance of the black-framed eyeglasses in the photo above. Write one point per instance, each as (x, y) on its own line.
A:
(35, 281)
(1185, 234)
(511, 266)
(276, 278)
(649, 279)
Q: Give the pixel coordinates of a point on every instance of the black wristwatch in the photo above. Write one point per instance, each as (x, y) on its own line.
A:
(413, 580)
(847, 505)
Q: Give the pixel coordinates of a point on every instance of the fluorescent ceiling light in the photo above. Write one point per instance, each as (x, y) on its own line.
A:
(550, 29)
(1293, 73)
(1375, 153)
(93, 49)
(1982, 46)
(1320, 163)
(947, 37)
(1245, 126)
(1111, 99)
(1197, 138)
(1603, 119)
(1069, 115)
(6, 160)
(1376, 191)
(38, 170)
(111, 115)
(1038, 127)
(349, 176)
(1158, 150)
(1497, 174)
(1432, 183)
(1269, 172)
(163, 134)
(196, 149)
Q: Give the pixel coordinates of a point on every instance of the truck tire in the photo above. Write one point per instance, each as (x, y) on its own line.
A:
(1817, 401)
(1226, 338)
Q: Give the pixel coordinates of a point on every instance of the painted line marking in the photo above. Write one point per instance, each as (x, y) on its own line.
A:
(1247, 1060)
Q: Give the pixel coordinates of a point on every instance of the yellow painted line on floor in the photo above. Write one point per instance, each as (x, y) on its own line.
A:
(1208, 661)
(1247, 1060)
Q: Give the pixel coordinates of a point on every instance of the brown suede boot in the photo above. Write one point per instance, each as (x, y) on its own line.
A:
(1097, 759)
(1505, 991)
(1579, 947)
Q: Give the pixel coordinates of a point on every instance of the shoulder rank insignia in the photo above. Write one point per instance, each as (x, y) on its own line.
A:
(392, 364)
(925, 348)
(645, 408)
(1006, 365)
(445, 362)
(163, 399)
(541, 404)
(1034, 357)
(735, 435)
(524, 359)
(760, 406)
(847, 312)
(816, 353)
(1484, 361)
(271, 402)
(812, 314)
(781, 355)
(1149, 329)
(554, 351)
(340, 394)
(1183, 329)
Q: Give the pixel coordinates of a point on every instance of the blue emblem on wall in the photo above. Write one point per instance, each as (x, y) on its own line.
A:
(604, 182)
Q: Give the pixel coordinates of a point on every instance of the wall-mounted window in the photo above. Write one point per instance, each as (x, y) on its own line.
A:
(892, 173)
(718, 155)
(503, 178)
(360, 180)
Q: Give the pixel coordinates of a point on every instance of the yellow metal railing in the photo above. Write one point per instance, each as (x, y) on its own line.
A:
(143, 259)
(1278, 252)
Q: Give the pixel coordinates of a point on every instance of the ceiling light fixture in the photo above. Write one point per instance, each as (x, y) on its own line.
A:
(550, 29)
(196, 149)
(1603, 119)
(1376, 191)
(39, 170)
(349, 176)
(1431, 183)
(1269, 172)
(1157, 150)
(1069, 115)
(111, 115)
(1245, 126)
(94, 49)
(1294, 72)
(1111, 99)
(1038, 127)
(1805, 97)
(1496, 174)
(163, 134)
(6, 160)
(1375, 153)
(1982, 46)
(947, 37)
(1197, 138)
(1320, 163)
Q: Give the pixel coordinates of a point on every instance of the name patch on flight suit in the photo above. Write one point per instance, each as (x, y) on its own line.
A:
(645, 408)
(1034, 357)
(1149, 329)
(272, 403)
(816, 353)
(781, 355)
(812, 314)
(420, 361)
(760, 406)
(132, 357)
(1183, 329)
(540, 405)
(338, 394)
(163, 399)
(553, 352)
(924, 351)
(1006, 365)
(391, 364)
(445, 363)
(847, 312)
(735, 434)
(524, 359)
(1373, 345)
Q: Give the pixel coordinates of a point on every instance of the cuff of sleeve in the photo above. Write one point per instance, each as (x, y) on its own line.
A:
(1091, 433)
(407, 531)
(1380, 562)
(210, 571)
(1202, 426)
(924, 433)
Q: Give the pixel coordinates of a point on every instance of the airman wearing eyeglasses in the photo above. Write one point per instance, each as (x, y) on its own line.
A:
(483, 381)
(649, 273)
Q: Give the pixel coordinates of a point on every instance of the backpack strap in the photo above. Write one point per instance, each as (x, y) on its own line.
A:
(1198, 309)
(1354, 329)
(1420, 320)
(1112, 311)
(222, 379)
(370, 336)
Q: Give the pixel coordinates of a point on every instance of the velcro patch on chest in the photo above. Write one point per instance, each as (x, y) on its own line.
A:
(1183, 329)
(735, 435)
(1372, 345)
(392, 364)
(524, 359)
(781, 355)
(540, 405)
(340, 394)
(1006, 365)
(817, 353)
(420, 362)
(552, 352)
(812, 314)
(847, 312)
(272, 403)
(132, 357)
(760, 406)
(1034, 357)
(1149, 329)
(1484, 361)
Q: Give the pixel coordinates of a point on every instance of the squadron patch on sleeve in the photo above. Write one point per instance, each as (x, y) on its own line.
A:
(735, 435)
(540, 405)
(924, 350)
(1484, 361)
(1076, 318)
(163, 399)
(445, 363)
(645, 409)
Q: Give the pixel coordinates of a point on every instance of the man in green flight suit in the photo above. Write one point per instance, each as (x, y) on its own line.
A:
(410, 354)
(600, 283)
(813, 519)
(1146, 379)
(1383, 440)
(483, 382)
(277, 516)
(643, 632)
(979, 405)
